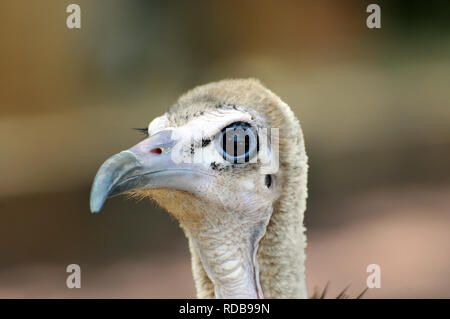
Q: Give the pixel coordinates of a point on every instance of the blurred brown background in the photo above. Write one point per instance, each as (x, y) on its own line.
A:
(374, 106)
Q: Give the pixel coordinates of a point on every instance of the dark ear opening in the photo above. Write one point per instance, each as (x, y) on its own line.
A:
(268, 181)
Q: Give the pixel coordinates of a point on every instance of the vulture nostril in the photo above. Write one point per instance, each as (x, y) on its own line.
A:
(157, 150)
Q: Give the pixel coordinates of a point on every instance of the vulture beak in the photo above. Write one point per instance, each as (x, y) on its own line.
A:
(149, 164)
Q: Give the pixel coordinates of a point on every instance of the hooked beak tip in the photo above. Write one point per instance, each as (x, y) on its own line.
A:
(96, 207)
(110, 173)
(97, 200)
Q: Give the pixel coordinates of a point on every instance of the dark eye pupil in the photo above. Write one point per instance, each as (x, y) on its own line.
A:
(238, 143)
(247, 147)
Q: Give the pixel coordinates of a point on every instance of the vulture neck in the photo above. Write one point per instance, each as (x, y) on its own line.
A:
(279, 261)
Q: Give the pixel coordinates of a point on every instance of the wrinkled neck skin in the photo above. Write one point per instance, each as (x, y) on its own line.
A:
(257, 252)
(274, 269)
(228, 255)
(223, 241)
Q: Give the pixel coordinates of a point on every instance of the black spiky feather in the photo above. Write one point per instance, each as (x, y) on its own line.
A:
(142, 130)
(341, 295)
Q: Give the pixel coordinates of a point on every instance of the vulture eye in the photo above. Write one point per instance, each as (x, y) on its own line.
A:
(238, 143)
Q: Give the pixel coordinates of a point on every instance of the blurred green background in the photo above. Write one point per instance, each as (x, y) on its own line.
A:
(373, 103)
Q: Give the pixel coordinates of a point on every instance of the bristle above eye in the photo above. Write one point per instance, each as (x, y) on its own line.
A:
(142, 130)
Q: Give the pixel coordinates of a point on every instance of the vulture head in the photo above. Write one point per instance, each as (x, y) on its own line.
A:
(227, 160)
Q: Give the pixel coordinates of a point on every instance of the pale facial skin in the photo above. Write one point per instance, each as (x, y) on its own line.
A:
(224, 206)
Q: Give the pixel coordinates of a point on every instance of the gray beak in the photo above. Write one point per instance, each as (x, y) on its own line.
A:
(120, 173)
(146, 165)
